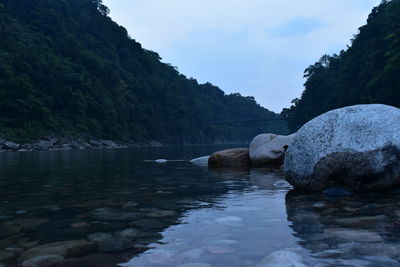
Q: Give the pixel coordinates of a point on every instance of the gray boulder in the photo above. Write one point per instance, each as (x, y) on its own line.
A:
(269, 149)
(357, 147)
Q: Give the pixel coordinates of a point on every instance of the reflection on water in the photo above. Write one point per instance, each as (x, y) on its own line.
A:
(142, 213)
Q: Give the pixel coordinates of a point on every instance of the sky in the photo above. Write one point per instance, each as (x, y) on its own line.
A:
(258, 48)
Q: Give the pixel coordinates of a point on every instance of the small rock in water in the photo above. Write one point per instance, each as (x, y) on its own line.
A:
(281, 259)
(162, 214)
(20, 212)
(43, 261)
(365, 221)
(114, 245)
(192, 254)
(222, 247)
(195, 264)
(319, 205)
(335, 193)
(232, 221)
(328, 253)
(130, 233)
(360, 236)
(161, 161)
(282, 184)
(202, 161)
(4, 256)
(98, 237)
(162, 256)
(79, 224)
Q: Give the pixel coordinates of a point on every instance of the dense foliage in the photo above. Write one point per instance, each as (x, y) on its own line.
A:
(367, 72)
(67, 69)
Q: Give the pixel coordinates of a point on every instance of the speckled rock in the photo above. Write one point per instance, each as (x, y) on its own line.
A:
(357, 146)
(235, 158)
(269, 149)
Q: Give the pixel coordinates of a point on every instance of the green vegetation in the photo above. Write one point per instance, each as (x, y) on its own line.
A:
(67, 69)
(367, 72)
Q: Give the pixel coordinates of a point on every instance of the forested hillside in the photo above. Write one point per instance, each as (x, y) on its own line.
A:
(67, 69)
(367, 72)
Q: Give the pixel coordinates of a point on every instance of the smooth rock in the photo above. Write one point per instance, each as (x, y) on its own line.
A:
(162, 214)
(43, 261)
(114, 245)
(282, 184)
(130, 233)
(357, 146)
(269, 149)
(5, 256)
(80, 263)
(235, 158)
(195, 264)
(64, 248)
(202, 161)
(231, 221)
(364, 221)
(148, 224)
(350, 235)
(98, 237)
(281, 259)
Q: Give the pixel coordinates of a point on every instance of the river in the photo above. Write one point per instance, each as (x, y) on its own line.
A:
(179, 214)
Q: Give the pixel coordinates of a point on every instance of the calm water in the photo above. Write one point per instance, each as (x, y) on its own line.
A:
(178, 213)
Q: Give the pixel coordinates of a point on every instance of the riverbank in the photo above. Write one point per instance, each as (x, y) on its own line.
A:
(69, 143)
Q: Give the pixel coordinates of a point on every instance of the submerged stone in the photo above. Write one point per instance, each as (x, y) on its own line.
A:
(235, 158)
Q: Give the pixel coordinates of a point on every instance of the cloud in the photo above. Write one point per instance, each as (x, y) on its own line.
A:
(255, 47)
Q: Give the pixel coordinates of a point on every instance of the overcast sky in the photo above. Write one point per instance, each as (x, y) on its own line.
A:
(258, 48)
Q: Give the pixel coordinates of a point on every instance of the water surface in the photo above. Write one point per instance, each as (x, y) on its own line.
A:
(177, 213)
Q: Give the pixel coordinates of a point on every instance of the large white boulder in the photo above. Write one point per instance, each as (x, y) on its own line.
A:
(269, 149)
(357, 147)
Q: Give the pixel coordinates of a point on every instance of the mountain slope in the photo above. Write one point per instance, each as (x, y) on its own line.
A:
(67, 69)
(367, 72)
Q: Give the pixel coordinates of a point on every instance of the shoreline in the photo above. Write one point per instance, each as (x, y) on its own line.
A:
(66, 144)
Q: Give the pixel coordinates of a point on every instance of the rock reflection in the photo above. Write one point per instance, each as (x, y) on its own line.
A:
(358, 230)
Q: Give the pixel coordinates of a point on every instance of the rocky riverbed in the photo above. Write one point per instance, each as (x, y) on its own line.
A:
(109, 207)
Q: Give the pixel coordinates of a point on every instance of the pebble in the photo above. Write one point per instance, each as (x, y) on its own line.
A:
(231, 221)
(195, 264)
(162, 214)
(282, 184)
(20, 212)
(5, 256)
(114, 245)
(130, 233)
(354, 235)
(70, 248)
(192, 254)
(97, 237)
(281, 259)
(43, 261)
(364, 221)
(223, 246)
(328, 253)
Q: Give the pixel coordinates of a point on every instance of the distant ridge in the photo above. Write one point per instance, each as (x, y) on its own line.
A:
(67, 69)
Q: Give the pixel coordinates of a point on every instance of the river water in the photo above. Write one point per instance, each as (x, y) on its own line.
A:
(179, 214)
